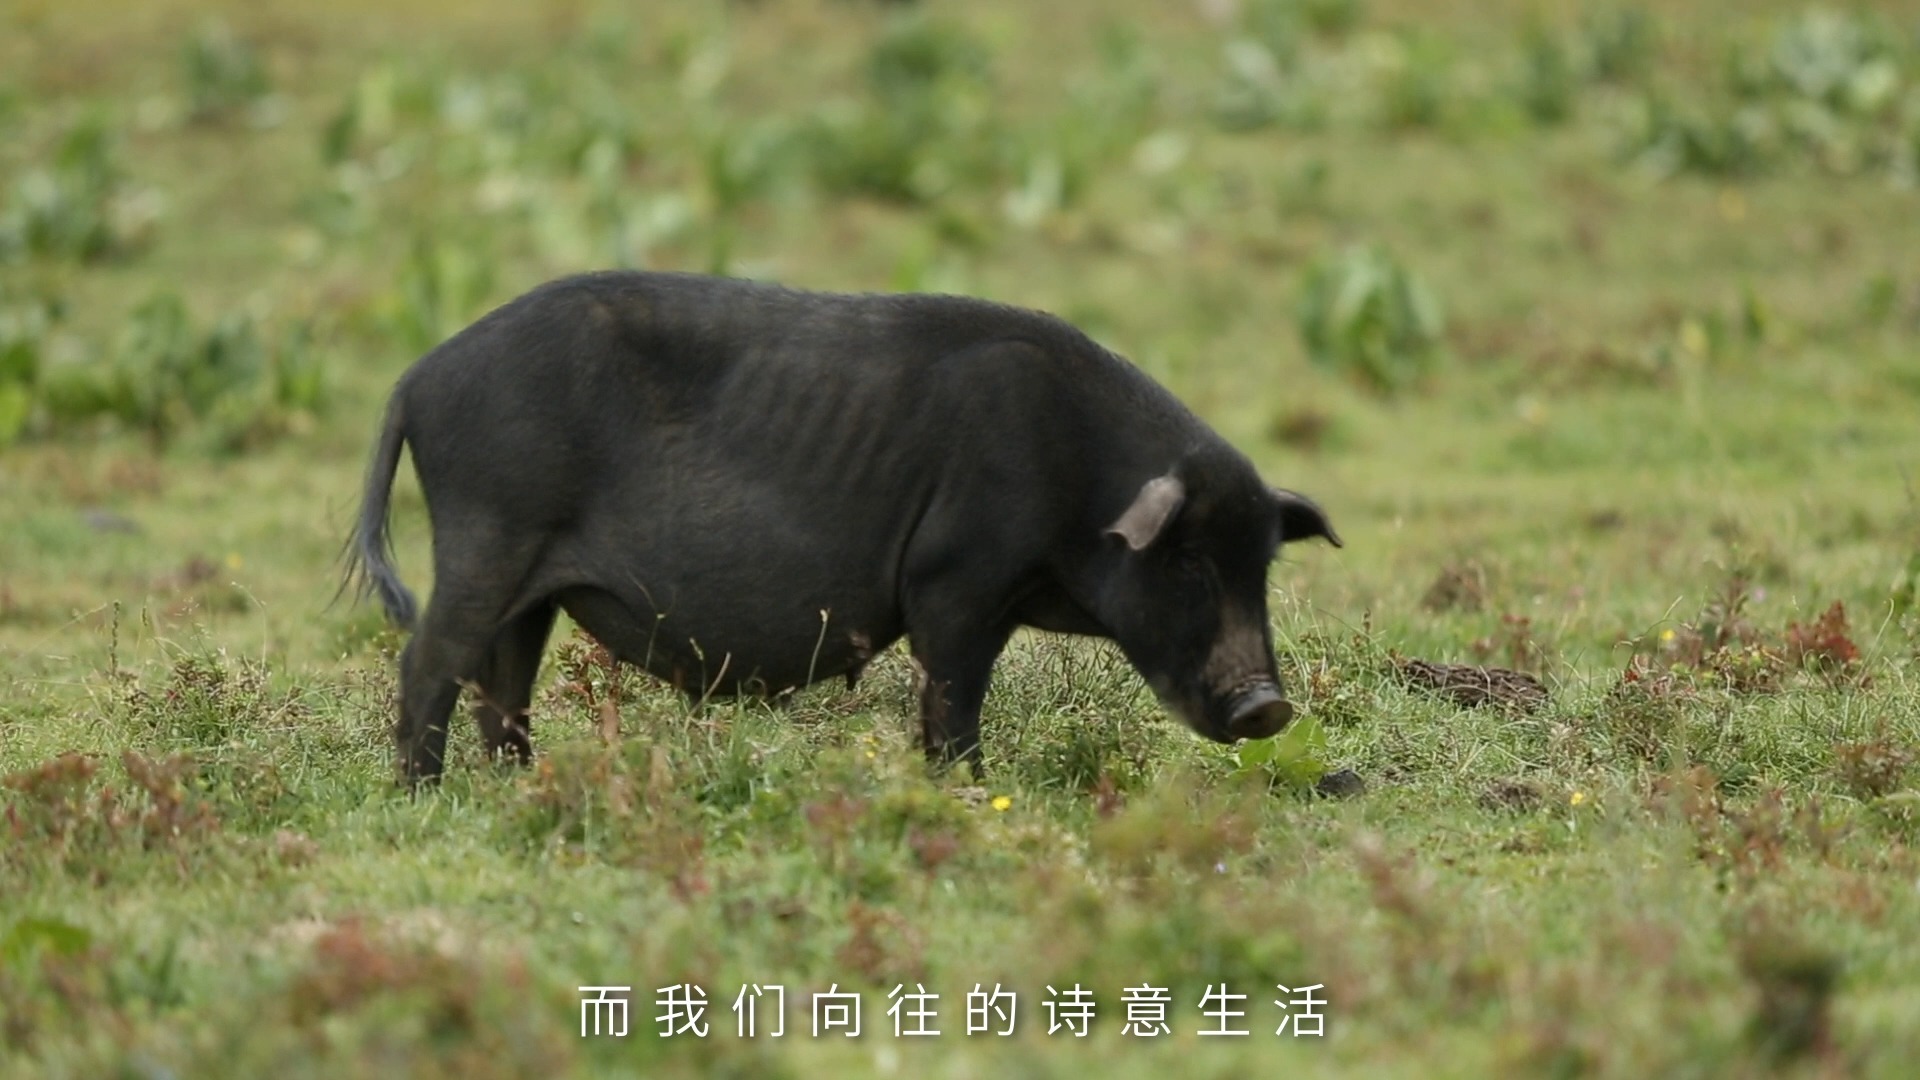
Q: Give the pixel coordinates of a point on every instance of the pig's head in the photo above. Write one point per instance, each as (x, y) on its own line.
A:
(1185, 594)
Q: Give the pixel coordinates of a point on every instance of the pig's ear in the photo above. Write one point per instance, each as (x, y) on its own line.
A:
(1300, 519)
(1159, 500)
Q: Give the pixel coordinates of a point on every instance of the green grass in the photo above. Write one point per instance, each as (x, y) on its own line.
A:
(1665, 423)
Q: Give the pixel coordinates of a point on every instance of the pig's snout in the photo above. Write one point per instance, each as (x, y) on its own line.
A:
(1257, 712)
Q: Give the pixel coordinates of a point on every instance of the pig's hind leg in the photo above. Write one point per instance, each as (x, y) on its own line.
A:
(504, 685)
(478, 573)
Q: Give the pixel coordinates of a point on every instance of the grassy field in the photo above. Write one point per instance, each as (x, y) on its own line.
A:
(1595, 328)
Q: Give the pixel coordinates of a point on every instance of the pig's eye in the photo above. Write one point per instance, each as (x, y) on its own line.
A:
(1194, 568)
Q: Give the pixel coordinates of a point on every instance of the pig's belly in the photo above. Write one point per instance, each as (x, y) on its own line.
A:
(705, 646)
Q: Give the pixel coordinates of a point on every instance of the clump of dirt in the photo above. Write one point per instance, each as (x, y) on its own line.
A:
(1473, 686)
(1517, 795)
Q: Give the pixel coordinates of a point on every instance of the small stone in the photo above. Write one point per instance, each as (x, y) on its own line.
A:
(1340, 784)
(106, 521)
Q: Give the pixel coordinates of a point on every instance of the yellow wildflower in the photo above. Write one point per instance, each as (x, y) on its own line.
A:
(1578, 798)
(1694, 339)
(1002, 802)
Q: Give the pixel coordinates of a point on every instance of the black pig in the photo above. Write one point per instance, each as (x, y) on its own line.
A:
(747, 488)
